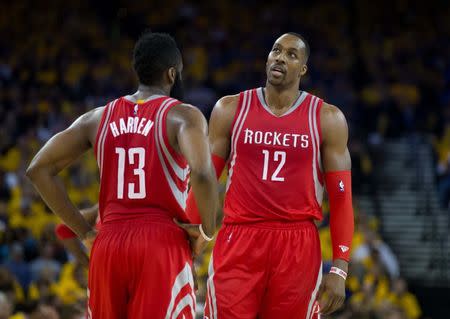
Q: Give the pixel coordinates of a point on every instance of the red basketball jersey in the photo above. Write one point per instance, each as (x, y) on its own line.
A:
(274, 164)
(140, 173)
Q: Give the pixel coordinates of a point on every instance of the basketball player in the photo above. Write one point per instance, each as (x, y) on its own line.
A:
(282, 146)
(145, 143)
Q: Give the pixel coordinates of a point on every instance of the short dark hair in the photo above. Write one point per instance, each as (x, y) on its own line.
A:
(307, 49)
(153, 54)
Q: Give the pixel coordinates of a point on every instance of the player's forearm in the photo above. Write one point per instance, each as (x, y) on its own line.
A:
(204, 186)
(75, 247)
(339, 188)
(191, 206)
(55, 196)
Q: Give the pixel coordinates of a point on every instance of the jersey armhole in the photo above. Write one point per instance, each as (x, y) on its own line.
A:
(178, 158)
(100, 129)
(236, 114)
(319, 131)
(319, 128)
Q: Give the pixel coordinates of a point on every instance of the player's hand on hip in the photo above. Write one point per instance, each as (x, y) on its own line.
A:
(88, 240)
(331, 294)
(198, 243)
(193, 230)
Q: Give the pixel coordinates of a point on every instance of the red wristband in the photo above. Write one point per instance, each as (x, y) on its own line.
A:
(64, 232)
(339, 189)
(191, 207)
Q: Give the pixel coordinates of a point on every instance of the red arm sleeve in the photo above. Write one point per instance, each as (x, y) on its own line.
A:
(339, 189)
(191, 207)
(64, 232)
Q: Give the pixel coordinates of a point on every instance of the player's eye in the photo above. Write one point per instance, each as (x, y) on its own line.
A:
(293, 55)
(276, 50)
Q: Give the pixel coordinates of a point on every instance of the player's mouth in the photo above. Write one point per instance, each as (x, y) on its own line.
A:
(277, 70)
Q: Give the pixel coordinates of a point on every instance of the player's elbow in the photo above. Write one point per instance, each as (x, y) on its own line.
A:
(32, 172)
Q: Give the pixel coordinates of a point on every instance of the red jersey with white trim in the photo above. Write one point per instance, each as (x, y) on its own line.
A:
(274, 172)
(140, 173)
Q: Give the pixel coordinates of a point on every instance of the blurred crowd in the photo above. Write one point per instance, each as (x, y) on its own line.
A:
(386, 65)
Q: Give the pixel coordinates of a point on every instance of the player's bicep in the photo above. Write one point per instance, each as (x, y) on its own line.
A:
(220, 127)
(335, 160)
(192, 140)
(335, 154)
(62, 149)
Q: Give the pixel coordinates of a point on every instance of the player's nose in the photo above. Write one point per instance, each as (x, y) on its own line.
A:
(280, 58)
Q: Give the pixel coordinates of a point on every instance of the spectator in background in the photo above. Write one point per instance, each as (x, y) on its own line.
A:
(45, 266)
(394, 314)
(442, 148)
(6, 306)
(401, 297)
(17, 265)
(44, 311)
(375, 248)
(10, 287)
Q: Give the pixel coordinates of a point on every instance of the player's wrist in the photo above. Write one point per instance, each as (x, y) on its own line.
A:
(338, 271)
(89, 234)
(341, 264)
(203, 234)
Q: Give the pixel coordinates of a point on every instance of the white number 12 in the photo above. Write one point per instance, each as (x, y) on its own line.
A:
(278, 156)
(139, 171)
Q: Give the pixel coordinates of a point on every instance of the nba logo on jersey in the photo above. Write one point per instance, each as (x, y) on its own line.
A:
(136, 108)
(341, 186)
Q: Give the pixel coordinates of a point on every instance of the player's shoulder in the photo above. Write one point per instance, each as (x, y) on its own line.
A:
(96, 112)
(226, 107)
(327, 110)
(332, 120)
(331, 112)
(226, 104)
(90, 117)
(228, 100)
(187, 114)
(185, 109)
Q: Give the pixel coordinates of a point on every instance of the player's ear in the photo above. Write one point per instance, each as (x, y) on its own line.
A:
(172, 73)
(303, 70)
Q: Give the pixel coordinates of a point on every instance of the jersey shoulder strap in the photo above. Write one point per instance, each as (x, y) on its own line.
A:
(101, 132)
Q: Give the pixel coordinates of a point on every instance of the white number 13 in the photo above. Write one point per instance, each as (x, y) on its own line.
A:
(278, 156)
(139, 171)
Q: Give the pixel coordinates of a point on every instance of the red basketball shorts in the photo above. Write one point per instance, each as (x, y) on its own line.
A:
(141, 269)
(265, 271)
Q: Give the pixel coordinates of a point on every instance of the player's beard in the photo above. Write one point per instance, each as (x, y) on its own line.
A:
(177, 90)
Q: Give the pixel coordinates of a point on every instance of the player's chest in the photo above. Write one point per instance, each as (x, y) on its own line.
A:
(261, 134)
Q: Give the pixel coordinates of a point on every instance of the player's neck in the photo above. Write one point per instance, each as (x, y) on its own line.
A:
(280, 98)
(144, 92)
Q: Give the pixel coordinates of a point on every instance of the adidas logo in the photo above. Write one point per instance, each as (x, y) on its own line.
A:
(343, 248)
(341, 186)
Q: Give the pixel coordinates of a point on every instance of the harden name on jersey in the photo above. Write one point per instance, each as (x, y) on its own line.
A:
(134, 125)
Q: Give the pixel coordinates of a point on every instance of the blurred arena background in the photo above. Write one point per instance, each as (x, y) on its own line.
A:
(386, 64)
